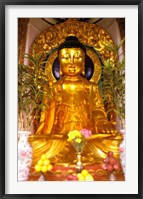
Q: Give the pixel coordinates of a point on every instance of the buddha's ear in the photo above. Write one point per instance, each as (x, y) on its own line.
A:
(83, 72)
(83, 68)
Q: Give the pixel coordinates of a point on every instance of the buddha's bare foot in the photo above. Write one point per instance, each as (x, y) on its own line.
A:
(104, 126)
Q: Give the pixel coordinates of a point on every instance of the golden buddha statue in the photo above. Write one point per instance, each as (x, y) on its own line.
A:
(77, 104)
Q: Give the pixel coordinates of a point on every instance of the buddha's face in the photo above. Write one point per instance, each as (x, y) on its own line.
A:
(71, 61)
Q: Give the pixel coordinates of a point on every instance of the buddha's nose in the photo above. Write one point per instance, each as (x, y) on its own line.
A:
(71, 60)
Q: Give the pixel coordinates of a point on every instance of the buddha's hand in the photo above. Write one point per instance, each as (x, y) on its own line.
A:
(104, 126)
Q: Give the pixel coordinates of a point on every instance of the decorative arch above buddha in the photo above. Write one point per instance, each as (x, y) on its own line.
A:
(92, 36)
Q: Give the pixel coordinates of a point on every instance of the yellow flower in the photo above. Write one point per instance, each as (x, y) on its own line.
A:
(69, 139)
(74, 134)
(77, 133)
(78, 140)
(71, 136)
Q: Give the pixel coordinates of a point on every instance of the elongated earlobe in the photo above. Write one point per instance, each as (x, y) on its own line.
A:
(83, 72)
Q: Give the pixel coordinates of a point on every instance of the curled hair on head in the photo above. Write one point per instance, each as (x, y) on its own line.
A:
(72, 42)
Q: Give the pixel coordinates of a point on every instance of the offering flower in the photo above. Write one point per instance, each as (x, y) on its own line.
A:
(74, 135)
(86, 133)
(78, 140)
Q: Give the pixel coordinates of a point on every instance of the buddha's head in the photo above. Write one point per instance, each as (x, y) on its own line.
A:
(72, 57)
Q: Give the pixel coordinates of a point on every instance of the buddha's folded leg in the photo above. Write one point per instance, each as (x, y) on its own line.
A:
(57, 150)
(97, 148)
(60, 151)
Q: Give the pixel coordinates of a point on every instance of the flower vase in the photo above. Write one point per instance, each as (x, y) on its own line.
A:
(24, 155)
(122, 151)
(79, 165)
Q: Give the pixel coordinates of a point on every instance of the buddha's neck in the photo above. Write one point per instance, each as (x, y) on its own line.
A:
(71, 78)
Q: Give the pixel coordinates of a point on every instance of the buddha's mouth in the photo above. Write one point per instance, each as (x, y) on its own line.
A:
(72, 70)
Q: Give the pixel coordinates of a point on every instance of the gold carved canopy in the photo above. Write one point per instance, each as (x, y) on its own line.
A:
(91, 35)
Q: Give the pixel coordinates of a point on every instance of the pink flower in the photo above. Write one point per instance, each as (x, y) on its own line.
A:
(23, 153)
(86, 133)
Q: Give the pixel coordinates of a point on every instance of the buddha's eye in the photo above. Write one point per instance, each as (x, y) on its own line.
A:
(78, 56)
(65, 56)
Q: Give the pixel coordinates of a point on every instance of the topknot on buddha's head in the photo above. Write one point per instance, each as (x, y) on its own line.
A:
(72, 42)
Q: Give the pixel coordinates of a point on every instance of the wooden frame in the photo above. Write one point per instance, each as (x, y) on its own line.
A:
(3, 105)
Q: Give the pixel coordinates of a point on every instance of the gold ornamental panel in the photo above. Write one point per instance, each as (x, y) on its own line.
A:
(97, 66)
(89, 34)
